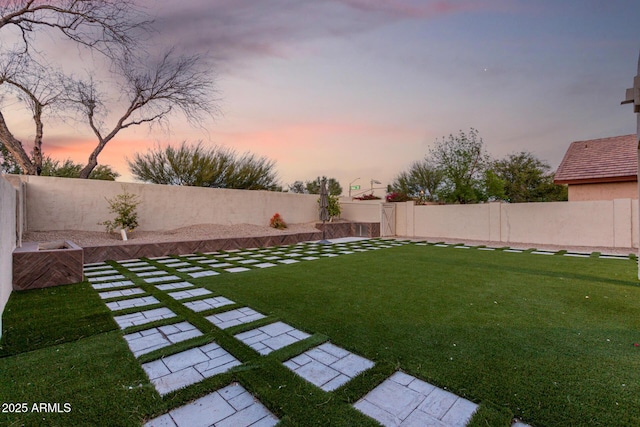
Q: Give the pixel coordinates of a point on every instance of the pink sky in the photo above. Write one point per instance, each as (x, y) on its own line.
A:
(361, 89)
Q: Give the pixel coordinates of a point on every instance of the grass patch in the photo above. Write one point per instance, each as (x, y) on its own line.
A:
(487, 325)
(548, 340)
(41, 318)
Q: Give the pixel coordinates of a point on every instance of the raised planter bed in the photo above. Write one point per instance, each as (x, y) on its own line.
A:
(41, 265)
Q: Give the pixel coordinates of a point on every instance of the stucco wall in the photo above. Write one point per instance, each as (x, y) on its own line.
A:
(77, 204)
(360, 210)
(603, 191)
(7, 240)
(604, 223)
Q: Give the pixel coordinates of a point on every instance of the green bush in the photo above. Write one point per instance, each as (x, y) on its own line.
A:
(124, 205)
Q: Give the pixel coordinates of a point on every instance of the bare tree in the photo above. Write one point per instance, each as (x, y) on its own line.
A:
(103, 25)
(151, 92)
(154, 92)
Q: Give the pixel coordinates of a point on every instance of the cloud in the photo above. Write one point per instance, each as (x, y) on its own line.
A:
(234, 32)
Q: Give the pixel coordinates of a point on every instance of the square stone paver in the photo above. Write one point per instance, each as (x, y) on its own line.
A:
(271, 337)
(144, 342)
(133, 264)
(176, 285)
(166, 260)
(328, 366)
(178, 264)
(142, 317)
(189, 269)
(161, 279)
(154, 272)
(208, 303)
(100, 273)
(204, 273)
(105, 278)
(235, 317)
(236, 269)
(120, 293)
(403, 400)
(108, 285)
(230, 406)
(264, 265)
(142, 268)
(189, 293)
(133, 302)
(188, 367)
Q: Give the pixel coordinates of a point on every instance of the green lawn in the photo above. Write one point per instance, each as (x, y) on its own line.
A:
(548, 339)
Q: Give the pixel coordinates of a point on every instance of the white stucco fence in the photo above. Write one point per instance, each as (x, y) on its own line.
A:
(7, 240)
(78, 204)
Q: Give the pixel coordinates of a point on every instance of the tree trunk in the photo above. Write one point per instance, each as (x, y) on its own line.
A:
(15, 148)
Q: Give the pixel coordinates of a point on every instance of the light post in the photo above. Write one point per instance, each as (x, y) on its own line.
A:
(374, 181)
(352, 188)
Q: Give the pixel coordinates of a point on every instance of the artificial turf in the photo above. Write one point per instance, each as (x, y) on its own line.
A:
(547, 339)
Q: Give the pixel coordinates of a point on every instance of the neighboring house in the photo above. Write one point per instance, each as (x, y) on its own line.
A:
(601, 169)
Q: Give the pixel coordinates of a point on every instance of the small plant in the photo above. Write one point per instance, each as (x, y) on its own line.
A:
(124, 205)
(277, 222)
(334, 208)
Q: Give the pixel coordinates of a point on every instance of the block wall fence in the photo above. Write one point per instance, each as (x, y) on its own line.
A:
(34, 203)
(8, 211)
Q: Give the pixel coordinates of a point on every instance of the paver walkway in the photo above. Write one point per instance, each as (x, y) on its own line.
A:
(401, 400)
(232, 406)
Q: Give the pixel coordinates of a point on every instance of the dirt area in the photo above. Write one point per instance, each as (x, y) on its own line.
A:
(194, 232)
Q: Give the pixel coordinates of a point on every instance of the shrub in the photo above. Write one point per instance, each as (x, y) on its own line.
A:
(398, 197)
(277, 222)
(367, 197)
(124, 205)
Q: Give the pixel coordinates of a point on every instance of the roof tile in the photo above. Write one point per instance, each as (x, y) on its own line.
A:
(605, 159)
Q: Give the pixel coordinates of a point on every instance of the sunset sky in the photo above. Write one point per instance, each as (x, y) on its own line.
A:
(361, 88)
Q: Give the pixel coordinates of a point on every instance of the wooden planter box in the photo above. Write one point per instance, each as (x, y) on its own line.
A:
(40, 265)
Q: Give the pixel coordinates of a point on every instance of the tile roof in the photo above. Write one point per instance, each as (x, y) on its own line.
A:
(613, 159)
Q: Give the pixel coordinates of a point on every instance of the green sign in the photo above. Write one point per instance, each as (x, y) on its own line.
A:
(355, 187)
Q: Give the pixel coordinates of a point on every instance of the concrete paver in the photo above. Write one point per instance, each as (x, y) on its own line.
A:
(328, 366)
(403, 400)
(176, 285)
(188, 367)
(146, 341)
(271, 337)
(161, 279)
(142, 317)
(203, 274)
(189, 293)
(100, 273)
(208, 303)
(235, 317)
(229, 406)
(131, 303)
(108, 285)
(120, 293)
(105, 278)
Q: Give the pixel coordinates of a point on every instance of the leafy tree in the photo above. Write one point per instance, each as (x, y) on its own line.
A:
(333, 186)
(298, 187)
(51, 167)
(197, 165)
(525, 178)
(152, 90)
(7, 164)
(69, 169)
(421, 181)
(463, 161)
